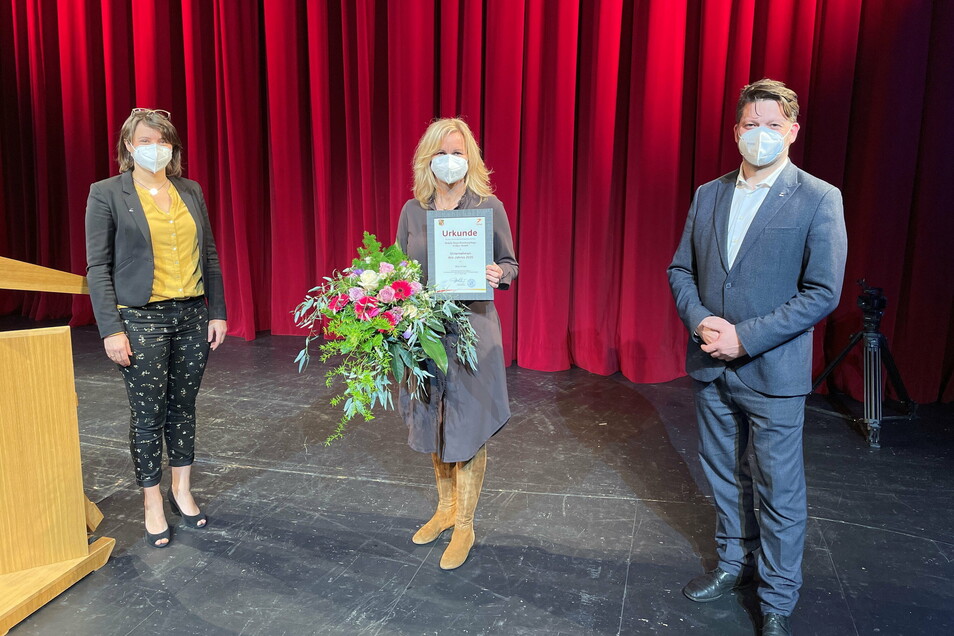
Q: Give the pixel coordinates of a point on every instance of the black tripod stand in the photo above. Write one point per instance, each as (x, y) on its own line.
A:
(872, 303)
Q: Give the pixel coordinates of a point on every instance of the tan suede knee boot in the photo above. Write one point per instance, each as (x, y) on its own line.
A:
(446, 502)
(470, 479)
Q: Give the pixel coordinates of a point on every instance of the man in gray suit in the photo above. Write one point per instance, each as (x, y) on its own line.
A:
(760, 262)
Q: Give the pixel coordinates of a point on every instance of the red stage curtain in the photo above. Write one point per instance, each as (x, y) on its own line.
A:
(599, 119)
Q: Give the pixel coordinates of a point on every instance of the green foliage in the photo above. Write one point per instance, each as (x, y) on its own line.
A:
(434, 348)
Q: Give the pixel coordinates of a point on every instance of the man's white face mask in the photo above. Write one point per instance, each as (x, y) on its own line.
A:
(761, 146)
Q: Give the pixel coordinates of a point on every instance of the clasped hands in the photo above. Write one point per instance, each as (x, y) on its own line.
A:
(720, 339)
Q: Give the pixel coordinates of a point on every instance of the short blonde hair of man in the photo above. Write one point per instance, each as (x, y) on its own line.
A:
(477, 178)
(771, 90)
(156, 121)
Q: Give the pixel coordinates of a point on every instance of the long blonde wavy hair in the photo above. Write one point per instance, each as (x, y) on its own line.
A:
(477, 179)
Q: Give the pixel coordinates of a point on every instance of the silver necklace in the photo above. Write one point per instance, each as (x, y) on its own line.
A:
(441, 200)
(152, 191)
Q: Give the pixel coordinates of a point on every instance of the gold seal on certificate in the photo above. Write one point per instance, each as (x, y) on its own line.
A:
(460, 246)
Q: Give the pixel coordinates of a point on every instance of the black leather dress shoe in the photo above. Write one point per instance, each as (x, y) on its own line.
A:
(776, 625)
(712, 585)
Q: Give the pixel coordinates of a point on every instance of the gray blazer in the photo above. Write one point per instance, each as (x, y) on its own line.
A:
(119, 265)
(786, 277)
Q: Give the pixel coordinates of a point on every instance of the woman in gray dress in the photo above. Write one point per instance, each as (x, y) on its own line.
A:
(464, 408)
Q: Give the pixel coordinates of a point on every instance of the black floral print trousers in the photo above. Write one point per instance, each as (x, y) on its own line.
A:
(169, 340)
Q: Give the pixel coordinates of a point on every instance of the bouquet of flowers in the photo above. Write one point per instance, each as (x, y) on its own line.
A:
(383, 323)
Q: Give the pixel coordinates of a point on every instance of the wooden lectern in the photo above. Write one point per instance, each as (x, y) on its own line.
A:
(44, 515)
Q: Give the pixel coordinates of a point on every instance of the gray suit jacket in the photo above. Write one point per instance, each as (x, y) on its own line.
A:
(119, 261)
(786, 277)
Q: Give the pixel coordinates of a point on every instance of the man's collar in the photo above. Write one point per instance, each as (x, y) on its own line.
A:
(767, 182)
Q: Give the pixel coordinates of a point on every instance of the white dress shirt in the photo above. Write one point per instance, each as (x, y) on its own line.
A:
(746, 201)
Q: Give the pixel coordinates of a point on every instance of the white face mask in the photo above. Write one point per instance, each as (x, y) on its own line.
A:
(152, 157)
(761, 146)
(449, 168)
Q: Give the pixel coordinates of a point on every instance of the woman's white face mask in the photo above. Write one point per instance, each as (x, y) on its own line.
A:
(152, 157)
(449, 168)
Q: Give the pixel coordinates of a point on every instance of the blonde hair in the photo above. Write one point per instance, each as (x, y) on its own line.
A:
(772, 90)
(157, 121)
(477, 179)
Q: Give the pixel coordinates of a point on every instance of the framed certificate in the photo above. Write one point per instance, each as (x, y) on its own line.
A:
(460, 246)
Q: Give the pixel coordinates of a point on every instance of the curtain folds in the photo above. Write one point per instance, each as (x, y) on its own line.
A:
(598, 119)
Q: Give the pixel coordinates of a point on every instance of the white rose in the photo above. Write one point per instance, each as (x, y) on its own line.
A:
(369, 278)
(410, 311)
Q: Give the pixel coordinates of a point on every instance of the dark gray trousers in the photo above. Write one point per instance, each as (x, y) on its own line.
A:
(731, 418)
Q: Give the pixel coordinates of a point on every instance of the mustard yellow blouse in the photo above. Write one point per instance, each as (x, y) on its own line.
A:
(175, 248)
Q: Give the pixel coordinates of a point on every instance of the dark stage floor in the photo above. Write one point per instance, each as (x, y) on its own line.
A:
(594, 514)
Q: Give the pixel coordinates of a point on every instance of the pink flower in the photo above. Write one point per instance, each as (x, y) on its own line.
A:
(366, 308)
(338, 303)
(391, 318)
(415, 288)
(402, 289)
(356, 293)
(385, 268)
(387, 294)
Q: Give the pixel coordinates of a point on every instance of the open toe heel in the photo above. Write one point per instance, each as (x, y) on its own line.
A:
(198, 521)
(152, 538)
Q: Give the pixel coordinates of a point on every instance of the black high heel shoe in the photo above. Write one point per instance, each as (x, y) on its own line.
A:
(193, 521)
(152, 538)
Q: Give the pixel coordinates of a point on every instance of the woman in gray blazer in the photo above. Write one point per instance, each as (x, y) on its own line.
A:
(157, 295)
